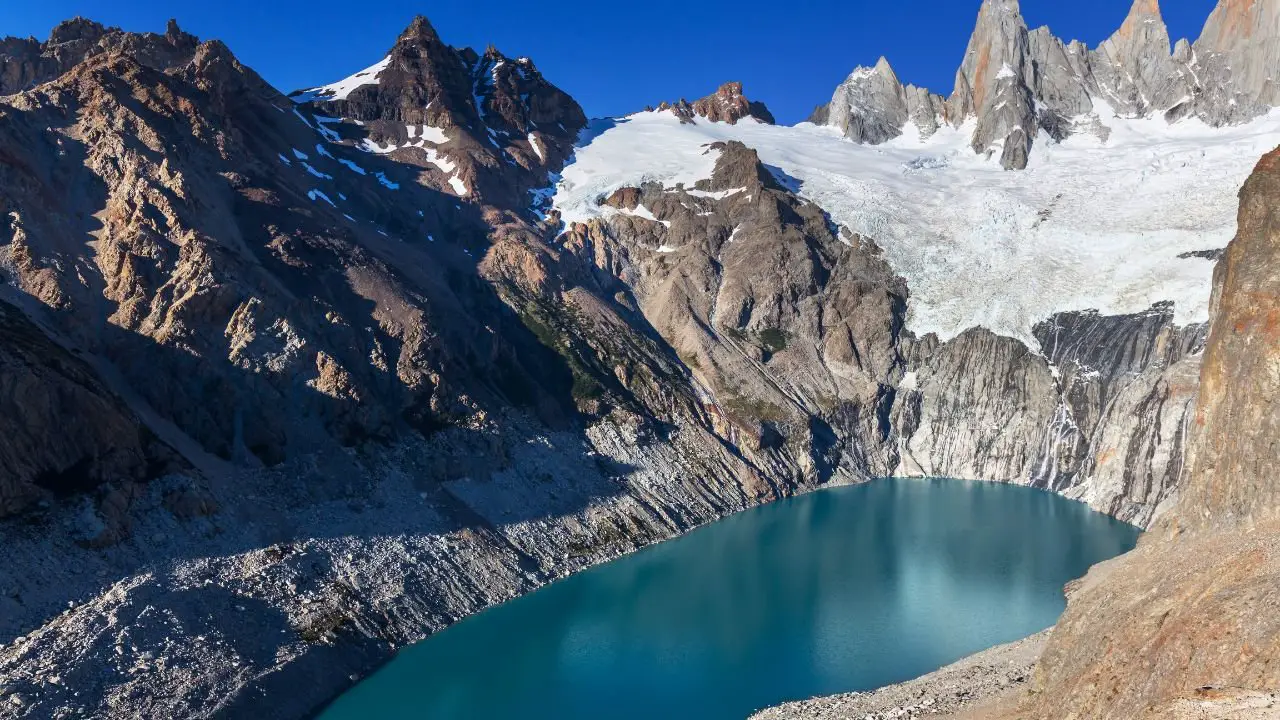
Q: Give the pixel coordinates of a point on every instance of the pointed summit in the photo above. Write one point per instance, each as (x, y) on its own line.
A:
(998, 46)
(871, 106)
(884, 68)
(993, 84)
(419, 29)
(1135, 68)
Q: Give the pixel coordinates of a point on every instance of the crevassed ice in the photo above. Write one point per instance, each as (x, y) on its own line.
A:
(1088, 225)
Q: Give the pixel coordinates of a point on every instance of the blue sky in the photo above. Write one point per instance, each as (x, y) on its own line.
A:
(614, 57)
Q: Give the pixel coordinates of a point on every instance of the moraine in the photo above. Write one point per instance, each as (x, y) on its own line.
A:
(841, 590)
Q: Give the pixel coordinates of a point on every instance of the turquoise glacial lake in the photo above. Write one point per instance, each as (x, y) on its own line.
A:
(843, 589)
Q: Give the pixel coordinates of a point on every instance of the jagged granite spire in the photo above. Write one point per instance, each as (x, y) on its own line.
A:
(872, 106)
(1135, 67)
(993, 83)
(868, 106)
(1237, 58)
(1016, 83)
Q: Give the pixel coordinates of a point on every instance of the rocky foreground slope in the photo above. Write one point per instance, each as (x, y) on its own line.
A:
(321, 374)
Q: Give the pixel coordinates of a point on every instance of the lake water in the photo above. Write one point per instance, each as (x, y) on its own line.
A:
(844, 589)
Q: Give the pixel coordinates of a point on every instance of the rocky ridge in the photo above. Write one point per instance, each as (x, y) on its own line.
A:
(1021, 86)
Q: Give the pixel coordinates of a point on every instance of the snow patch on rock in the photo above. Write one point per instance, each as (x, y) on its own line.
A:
(341, 89)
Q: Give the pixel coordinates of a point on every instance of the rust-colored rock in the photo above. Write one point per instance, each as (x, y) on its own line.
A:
(1195, 605)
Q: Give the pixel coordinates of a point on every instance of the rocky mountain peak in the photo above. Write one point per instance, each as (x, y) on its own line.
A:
(1143, 21)
(872, 106)
(1018, 82)
(727, 104)
(1135, 67)
(1236, 58)
(25, 63)
(77, 28)
(419, 30)
(481, 125)
(997, 52)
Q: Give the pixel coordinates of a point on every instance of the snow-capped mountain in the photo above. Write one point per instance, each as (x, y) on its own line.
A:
(480, 126)
(451, 340)
(1132, 176)
(1113, 226)
(1022, 86)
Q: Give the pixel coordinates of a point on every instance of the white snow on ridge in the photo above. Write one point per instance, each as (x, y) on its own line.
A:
(341, 89)
(1088, 225)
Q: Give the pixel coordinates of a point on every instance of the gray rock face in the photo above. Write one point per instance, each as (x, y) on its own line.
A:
(1100, 414)
(789, 330)
(1016, 82)
(1134, 68)
(870, 106)
(1236, 59)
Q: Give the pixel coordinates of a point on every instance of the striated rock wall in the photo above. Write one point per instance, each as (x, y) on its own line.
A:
(1099, 414)
(1194, 605)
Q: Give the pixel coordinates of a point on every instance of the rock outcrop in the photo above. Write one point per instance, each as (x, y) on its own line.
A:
(727, 104)
(1015, 82)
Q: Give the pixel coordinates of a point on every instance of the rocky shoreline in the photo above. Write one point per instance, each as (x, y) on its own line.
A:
(211, 619)
(980, 679)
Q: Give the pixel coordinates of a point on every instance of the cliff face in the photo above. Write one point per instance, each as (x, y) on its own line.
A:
(1235, 460)
(1194, 605)
(62, 432)
(1099, 414)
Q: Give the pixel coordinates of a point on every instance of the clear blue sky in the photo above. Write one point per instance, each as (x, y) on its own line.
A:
(614, 57)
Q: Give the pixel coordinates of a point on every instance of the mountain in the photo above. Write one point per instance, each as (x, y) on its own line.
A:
(292, 381)
(1025, 86)
(485, 127)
